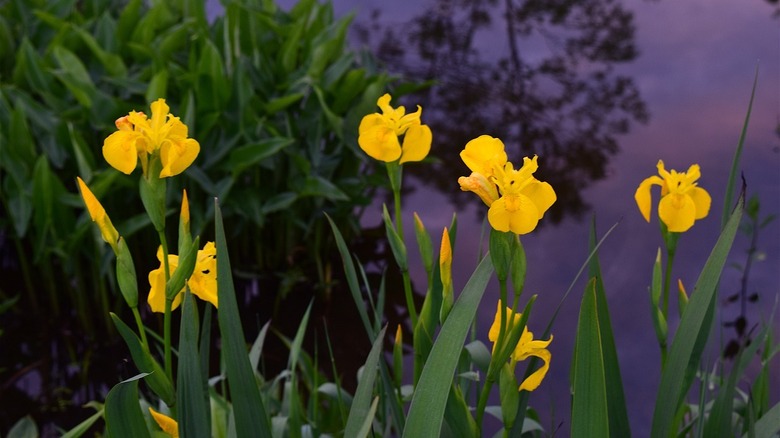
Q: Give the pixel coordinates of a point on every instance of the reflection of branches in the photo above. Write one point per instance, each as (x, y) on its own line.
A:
(546, 86)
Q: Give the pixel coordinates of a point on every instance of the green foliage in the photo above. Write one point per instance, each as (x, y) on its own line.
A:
(273, 97)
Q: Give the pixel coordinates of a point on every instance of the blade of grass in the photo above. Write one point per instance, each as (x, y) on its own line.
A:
(426, 412)
(360, 404)
(616, 400)
(769, 423)
(590, 413)
(250, 413)
(686, 348)
(191, 397)
(728, 197)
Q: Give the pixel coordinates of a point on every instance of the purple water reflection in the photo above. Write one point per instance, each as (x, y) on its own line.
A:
(695, 76)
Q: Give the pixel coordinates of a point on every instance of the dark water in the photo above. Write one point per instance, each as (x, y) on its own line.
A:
(663, 79)
(680, 91)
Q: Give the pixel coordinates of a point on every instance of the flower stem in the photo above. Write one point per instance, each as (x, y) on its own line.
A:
(395, 174)
(141, 328)
(168, 306)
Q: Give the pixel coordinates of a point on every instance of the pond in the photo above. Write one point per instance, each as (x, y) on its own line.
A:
(672, 82)
(600, 91)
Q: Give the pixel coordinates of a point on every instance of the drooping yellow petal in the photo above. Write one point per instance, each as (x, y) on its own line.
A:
(120, 150)
(515, 213)
(535, 379)
(98, 215)
(480, 185)
(380, 143)
(483, 153)
(643, 197)
(176, 156)
(541, 194)
(417, 143)
(677, 211)
(166, 423)
(701, 199)
(371, 121)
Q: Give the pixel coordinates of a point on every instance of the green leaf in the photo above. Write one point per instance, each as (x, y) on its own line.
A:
(769, 423)
(183, 270)
(396, 243)
(125, 274)
(123, 411)
(27, 68)
(360, 404)
(84, 426)
(616, 400)
(590, 414)
(351, 276)
(191, 397)
(74, 76)
(278, 202)
(509, 395)
(158, 86)
(250, 413)
(319, 187)
(695, 325)
(156, 378)
(426, 412)
(365, 428)
(280, 103)
(244, 157)
(24, 428)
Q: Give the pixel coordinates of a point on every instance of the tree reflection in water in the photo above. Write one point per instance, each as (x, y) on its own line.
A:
(538, 74)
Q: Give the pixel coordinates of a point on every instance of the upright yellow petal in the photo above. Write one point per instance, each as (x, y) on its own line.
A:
(185, 208)
(445, 259)
(98, 215)
(483, 153)
(417, 143)
(166, 423)
(677, 211)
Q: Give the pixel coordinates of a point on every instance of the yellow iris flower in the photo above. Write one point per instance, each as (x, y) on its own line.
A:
(138, 138)
(378, 134)
(166, 423)
(526, 347)
(98, 215)
(682, 201)
(202, 283)
(516, 199)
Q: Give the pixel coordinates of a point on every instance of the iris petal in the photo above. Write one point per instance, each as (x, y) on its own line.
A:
(483, 153)
(535, 379)
(380, 143)
(177, 156)
(541, 194)
(417, 143)
(119, 150)
(677, 211)
(701, 199)
(642, 195)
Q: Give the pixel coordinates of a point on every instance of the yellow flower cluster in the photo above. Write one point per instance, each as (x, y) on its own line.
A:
(516, 199)
(202, 283)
